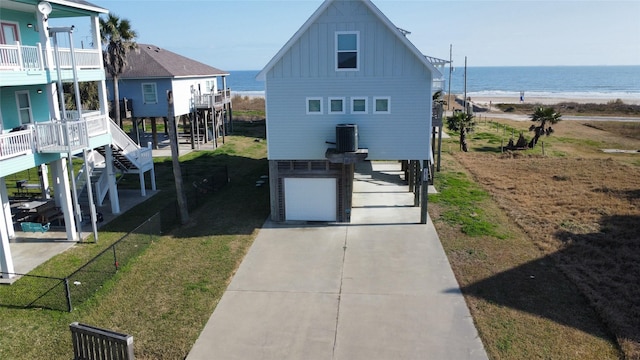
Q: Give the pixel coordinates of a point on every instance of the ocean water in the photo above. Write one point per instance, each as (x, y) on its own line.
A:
(586, 82)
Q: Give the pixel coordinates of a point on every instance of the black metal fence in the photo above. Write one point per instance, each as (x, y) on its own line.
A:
(197, 189)
(32, 291)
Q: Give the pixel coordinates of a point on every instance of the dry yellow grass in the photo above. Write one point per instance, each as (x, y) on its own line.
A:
(581, 210)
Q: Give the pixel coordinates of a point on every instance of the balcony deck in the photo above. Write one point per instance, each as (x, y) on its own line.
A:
(54, 136)
(213, 100)
(18, 59)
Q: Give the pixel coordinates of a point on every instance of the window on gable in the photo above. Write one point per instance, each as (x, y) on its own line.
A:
(347, 48)
(336, 105)
(382, 105)
(149, 93)
(359, 105)
(314, 106)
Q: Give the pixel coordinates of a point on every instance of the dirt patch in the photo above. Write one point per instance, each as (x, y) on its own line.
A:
(584, 213)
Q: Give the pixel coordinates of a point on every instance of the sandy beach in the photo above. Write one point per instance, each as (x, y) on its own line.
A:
(485, 100)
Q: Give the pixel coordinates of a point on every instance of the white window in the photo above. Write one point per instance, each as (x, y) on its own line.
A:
(347, 50)
(382, 105)
(24, 107)
(336, 105)
(149, 93)
(211, 86)
(359, 105)
(314, 105)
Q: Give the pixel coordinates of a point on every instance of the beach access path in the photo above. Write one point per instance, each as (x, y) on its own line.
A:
(380, 287)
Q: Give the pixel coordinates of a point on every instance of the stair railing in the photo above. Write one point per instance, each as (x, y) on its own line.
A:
(141, 158)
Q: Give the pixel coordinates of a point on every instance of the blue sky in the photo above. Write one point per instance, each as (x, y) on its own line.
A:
(245, 35)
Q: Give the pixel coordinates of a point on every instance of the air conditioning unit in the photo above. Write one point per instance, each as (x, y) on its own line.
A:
(346, 138)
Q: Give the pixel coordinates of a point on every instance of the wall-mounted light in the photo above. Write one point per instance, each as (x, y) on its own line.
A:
(30, 26)
(39, 91)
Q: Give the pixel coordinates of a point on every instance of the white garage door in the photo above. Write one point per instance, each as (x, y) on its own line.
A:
(310, 199)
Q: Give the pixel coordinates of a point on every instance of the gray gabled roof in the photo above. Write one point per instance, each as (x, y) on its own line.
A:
(150, 61)
(374, 9)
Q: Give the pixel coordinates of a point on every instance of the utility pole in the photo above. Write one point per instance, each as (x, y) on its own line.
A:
(175, 158)
(465, 85)
(450, 71)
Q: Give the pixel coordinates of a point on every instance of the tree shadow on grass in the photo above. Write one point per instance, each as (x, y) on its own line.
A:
(591, 285)
(216, 207)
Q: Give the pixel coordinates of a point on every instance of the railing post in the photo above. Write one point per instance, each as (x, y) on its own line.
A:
(40, 57)
(20, 59)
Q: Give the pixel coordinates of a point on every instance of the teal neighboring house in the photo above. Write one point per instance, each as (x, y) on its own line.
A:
(38, 133)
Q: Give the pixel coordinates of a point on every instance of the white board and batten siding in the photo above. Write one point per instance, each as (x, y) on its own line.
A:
(387, 68)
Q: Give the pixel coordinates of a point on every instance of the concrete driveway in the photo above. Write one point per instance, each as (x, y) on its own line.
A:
(380, 287)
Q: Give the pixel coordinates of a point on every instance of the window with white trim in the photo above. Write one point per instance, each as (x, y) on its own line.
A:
(359, 105)
(314, 106)
(382, 105)
(24, 107)
(336, 105)
(347, 50)
(149, 93)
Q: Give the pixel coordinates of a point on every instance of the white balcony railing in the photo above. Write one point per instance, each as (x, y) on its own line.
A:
(22, 58)
(85, 58)
(57, 137)
(16, 143)
(212, 99)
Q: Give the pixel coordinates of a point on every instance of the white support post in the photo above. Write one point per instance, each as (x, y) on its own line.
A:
(143, 190)
(63, 188)
(111, 180)
(6, 261)
(6, 208)
(153, 170)
(44, 181)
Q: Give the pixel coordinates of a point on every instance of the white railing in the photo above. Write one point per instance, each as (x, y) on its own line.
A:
(85, 58)
(97, 123)
(20, 57)
(61, 136)
(141, 158)
(16, 143)
(212, 99)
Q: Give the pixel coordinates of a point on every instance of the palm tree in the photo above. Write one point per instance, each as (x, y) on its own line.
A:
(463, 122)
(118, 39)
(543, 116)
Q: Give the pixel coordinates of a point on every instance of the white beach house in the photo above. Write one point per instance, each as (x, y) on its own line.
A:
(38, 134)
(196, 88)
(348, 86)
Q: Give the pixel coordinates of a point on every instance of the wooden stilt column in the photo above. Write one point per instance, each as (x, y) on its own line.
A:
(416, 182)
(411, 175)
(424, 192)
(154, 133)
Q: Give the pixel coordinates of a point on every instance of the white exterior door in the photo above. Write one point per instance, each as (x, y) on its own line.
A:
(310, 199)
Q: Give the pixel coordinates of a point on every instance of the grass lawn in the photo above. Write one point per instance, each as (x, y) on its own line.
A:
(165, 296)
(555, 275)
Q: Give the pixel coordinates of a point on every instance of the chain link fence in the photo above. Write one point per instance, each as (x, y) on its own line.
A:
(197, 189)
(63, 294)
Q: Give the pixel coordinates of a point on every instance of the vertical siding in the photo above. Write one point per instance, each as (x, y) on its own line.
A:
(403, 134)
(387, 68)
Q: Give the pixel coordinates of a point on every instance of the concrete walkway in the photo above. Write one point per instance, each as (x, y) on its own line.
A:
(380, 287)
